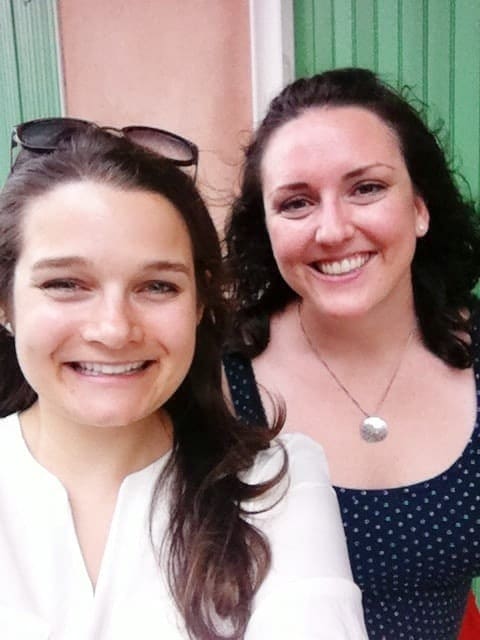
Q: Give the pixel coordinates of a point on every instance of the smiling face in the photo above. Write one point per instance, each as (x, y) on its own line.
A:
(341, 211)
(105, 307)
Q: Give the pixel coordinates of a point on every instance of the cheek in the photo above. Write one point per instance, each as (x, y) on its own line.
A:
(403, 235)
(43, 325)
(178, 348)
(182, 341)
(39, 327)
(392, 226)
(289, 243)
(37, 341)
(176, 330)
(36, 346)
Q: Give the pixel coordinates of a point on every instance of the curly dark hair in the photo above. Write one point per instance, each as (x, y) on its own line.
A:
(446, 264)
(216, 558)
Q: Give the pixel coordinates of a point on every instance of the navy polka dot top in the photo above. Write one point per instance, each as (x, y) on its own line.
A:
(414, 550)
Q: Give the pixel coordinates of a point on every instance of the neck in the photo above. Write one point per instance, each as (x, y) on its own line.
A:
(75, 452)
(365, 336)
(361, 348)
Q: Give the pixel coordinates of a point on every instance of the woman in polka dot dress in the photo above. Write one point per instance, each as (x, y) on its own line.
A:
(354, 256)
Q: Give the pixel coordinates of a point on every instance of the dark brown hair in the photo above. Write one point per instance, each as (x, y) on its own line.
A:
(216, 558)
(446, 264)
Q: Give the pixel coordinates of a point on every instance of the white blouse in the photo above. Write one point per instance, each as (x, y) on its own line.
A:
(46, 594)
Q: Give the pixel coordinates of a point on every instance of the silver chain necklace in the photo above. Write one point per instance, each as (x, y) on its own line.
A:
(373, 428)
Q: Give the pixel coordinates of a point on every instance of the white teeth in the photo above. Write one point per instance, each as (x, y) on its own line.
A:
(99, 368)
(340, 267)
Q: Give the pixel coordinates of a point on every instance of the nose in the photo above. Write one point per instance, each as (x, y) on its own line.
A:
(334, 223)
(113, 323)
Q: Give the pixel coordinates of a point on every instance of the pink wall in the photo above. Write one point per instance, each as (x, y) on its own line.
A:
(182, 65)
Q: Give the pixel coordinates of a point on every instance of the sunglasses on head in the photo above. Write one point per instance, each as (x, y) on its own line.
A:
(45, 135)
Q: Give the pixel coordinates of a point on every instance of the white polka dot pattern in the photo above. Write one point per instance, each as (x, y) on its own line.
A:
(414, 550)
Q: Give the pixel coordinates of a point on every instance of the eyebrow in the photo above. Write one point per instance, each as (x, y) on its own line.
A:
(293, 186)
(360, 170)
(77, 261)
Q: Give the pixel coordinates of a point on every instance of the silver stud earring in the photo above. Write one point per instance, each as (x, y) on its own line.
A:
(8, 328)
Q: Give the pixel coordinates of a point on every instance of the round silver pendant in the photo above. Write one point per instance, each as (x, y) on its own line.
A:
(373, 429)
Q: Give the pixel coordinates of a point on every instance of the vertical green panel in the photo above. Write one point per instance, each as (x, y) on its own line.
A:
(324, 21)
(466, 131)
(37, 57)
(313, 24)
(343, 33)
(29, 74)
(476, 591)
(305, 39)
(364, 32)
(412, 69)
(388, 39)
(10, 105)
(440, 52)
(433, 46)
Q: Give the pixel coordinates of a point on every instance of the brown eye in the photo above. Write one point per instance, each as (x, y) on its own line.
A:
(64, 288)
(61, 284)
(159, 287)
(367, 192)
(296, 207)
(368, 189)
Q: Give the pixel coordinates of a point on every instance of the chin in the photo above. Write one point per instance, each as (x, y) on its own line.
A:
(344, 311)
(106, 419)
(347, 306)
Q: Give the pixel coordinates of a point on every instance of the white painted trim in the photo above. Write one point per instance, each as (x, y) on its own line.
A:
(58, 42)
(272, 51)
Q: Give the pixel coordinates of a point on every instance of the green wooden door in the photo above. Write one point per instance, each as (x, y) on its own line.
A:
(433, 46)
(29, 69)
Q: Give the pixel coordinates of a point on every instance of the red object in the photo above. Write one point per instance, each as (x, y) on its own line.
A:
(470, 629)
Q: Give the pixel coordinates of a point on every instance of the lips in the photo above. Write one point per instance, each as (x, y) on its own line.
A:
(342, 266)
(109, 368)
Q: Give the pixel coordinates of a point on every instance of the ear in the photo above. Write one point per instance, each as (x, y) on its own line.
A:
(422, 217)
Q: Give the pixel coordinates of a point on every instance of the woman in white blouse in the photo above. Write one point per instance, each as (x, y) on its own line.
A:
(132, 504)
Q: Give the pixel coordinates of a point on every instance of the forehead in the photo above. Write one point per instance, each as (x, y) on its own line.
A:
(331, 134)
(90, 217)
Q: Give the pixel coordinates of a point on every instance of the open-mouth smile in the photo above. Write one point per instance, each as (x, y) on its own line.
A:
(110, 369)
(342, 266)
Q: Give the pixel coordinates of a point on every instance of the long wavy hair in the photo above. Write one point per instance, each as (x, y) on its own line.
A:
(216, 559)
(446, 264)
